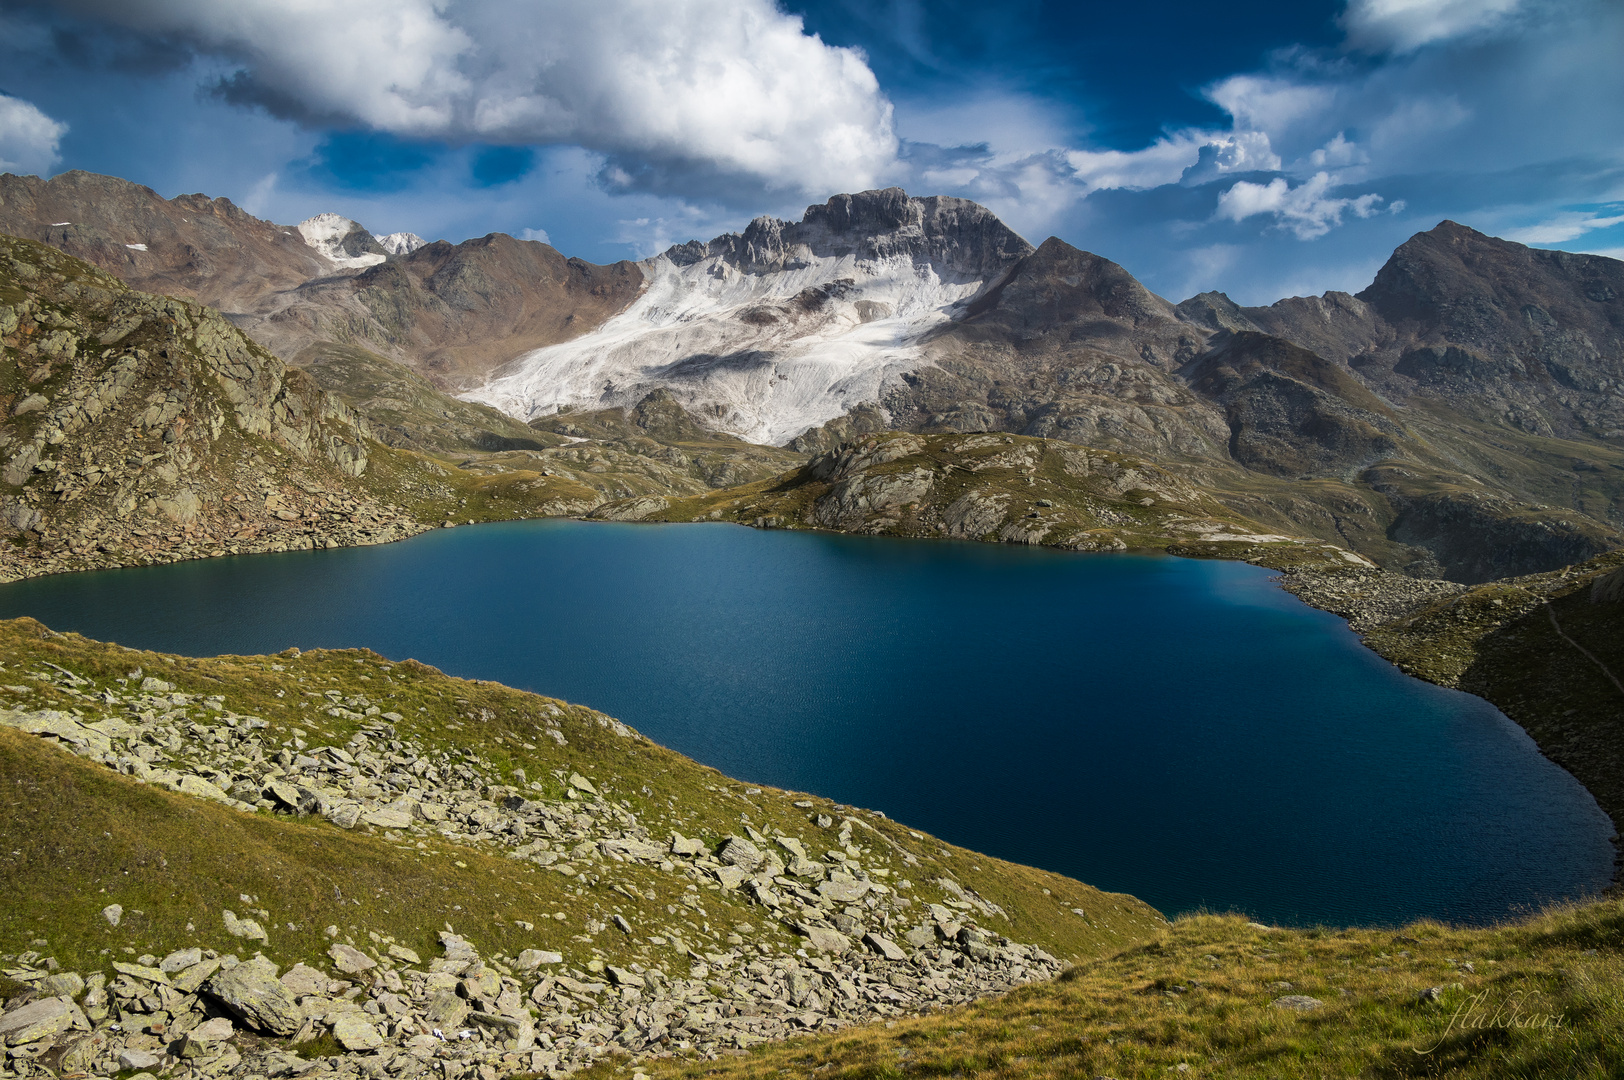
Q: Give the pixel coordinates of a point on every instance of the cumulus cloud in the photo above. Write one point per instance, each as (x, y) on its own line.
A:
(1406, 25)
(1307, 210)
(30, 141)
(538, 235)
(667, 90)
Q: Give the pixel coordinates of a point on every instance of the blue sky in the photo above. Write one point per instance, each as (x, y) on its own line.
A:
(1266, 149)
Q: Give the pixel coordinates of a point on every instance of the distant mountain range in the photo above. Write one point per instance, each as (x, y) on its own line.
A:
(1461, 417)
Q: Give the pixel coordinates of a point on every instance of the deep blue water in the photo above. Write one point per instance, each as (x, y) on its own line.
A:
(1177, 729)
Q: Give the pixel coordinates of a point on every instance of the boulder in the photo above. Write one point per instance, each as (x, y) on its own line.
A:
(243, 928)
(131, 1058)
(681, 845)
(388, 819)
(252, 992)
(825, 940)
(38, 1020)
(531, 959)
(180, 960)
(349, 959)
(1298, 1003)
(884, 946)
(737, 851)
(355, 1034)
(303, 981)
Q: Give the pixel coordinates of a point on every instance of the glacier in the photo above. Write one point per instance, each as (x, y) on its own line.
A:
(763, 356)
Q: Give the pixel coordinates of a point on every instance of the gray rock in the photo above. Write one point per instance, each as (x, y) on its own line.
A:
(737, 851)
(180, 960)
(188, 981)
(681, 845)
(350, 960)
(252, 992)
(388, 819)
(446, 1010)
(405, 955)
(843, 892)
(355, 1034)
(68, 984)
(39, 1020)
(303, 981)
(142, 1060)
(825, 940)
(531, 959)
(884, 946)
(346, 815)
(113, 913)
(920, 937)
(731, 877)
(1298, 1002)
(243, 928)
(623, 977)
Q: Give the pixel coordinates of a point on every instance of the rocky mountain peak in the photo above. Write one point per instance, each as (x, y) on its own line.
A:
(961, 238)
(342, 241)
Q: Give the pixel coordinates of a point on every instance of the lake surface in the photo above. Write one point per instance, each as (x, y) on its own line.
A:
(1177, 729)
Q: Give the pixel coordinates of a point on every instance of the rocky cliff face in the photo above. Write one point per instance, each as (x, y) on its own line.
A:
(957, 236)
(138, 424)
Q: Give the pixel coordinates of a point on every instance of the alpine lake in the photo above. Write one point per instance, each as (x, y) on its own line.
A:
(1177, 729)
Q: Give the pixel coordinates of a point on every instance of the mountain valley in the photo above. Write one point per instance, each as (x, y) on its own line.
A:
(1439, 459)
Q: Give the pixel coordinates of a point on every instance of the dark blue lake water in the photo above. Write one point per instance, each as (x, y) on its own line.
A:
(1176, 729)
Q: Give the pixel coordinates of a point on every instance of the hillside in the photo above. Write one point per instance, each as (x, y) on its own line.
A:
(455, 855)
(1218, 996)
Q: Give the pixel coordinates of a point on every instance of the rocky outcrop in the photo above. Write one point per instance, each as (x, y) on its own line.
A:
(144, 425)
(1290, 412)
(961, 238)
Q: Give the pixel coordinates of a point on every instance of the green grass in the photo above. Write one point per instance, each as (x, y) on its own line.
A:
(76, 836)
(1543, 998)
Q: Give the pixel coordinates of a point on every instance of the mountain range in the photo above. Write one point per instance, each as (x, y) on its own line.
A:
(1462, 417)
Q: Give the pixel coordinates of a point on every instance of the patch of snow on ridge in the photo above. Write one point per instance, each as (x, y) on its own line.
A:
(326, 233)
(764, 356)
(401, 243)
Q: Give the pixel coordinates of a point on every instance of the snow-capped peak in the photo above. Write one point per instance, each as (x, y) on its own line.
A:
(401, 243)
(332, 236)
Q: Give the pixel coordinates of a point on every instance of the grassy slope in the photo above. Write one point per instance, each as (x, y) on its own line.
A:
(1542, 998)
(75, 836)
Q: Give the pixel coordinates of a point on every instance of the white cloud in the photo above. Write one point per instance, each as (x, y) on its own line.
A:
(1569, 225)
(710, 90)
(538, 235)
(1191, 156)
(30, 141)
(1402, 26)
(1271, 103)
(1306, 210)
